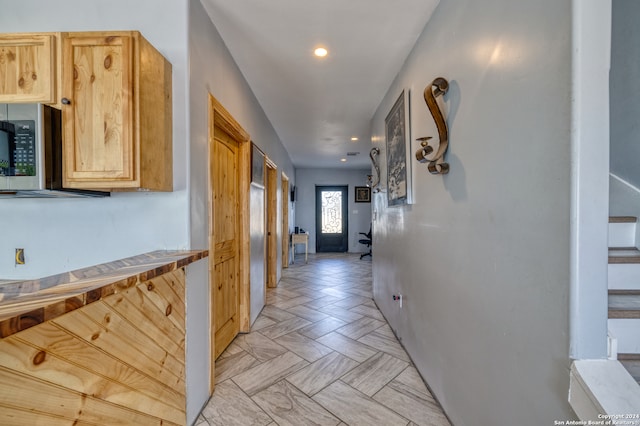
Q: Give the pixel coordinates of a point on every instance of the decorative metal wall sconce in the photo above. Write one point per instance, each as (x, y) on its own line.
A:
(373, 184)
(437, 165)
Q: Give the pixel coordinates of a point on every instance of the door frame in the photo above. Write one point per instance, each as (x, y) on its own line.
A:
(220, 117)
(285, 219)
(271, 225)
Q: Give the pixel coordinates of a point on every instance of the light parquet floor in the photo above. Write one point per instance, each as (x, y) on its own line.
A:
(320, 353)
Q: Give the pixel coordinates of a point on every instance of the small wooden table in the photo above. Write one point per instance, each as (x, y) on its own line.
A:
(300, 239)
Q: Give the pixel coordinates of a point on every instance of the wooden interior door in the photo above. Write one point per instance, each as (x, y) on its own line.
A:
(285, 221)
(229, 277)
(272, 229)
(224, 264)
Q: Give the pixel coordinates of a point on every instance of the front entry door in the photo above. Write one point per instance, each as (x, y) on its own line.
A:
(225, 258)
(332, 225)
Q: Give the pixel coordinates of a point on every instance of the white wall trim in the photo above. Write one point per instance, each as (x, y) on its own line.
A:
(591, 41)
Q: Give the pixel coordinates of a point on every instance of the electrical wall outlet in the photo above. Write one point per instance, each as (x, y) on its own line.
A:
(398, 298)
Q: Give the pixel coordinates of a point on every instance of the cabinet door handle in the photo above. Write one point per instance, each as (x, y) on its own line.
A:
(66, 101)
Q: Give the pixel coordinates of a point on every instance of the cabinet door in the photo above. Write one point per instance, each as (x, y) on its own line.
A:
(98, 111)
(27, 68)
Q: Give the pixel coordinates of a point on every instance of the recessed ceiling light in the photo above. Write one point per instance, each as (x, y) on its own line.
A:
(320, 52)
(344, 160)
(354, 138)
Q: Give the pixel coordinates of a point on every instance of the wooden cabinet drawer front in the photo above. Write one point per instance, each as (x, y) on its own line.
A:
(27, 68)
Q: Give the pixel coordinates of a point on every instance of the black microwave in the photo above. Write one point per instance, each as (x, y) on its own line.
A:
(31, 152)
(7, 148)
(20, 146)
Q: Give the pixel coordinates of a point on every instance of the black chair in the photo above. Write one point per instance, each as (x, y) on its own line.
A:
(367, 242)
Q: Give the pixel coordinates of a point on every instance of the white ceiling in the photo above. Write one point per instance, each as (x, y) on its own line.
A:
(317, 105)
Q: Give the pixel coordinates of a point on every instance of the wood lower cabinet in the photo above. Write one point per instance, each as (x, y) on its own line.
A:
(117, 361)
(27, 68)
(116, 113)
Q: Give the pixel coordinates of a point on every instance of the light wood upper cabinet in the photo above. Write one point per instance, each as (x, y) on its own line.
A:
(27, 68)
(116, 112)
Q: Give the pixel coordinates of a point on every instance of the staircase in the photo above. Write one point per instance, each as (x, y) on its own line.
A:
(624, 293)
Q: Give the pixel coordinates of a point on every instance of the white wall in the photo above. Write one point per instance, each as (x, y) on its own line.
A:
(625, 110)
(483, 256)
(359, 213)
(625, 91)
(213, 71)
(65, 234)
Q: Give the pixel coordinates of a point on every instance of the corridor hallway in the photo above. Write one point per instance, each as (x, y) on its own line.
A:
(320, 353)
